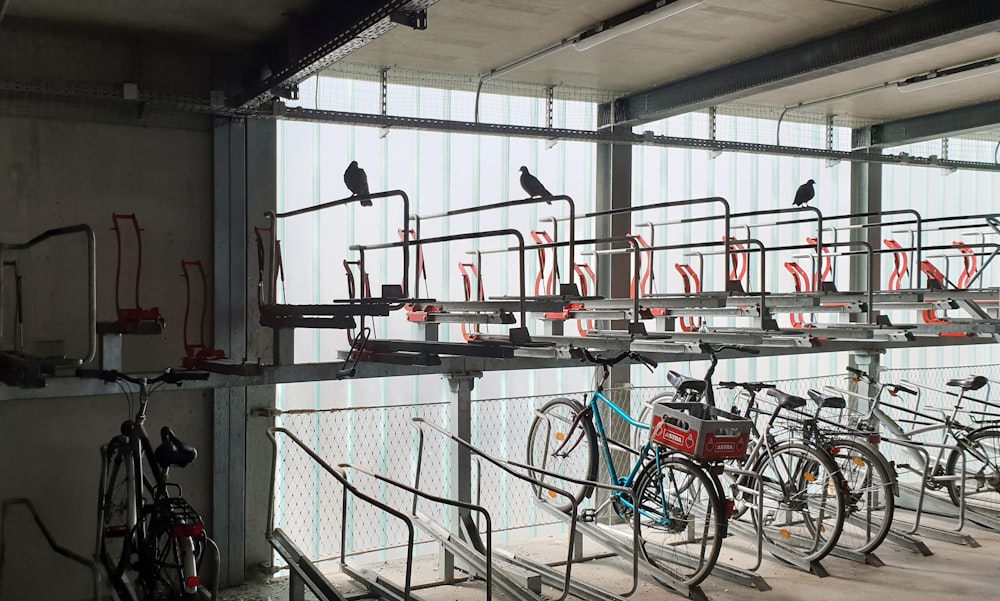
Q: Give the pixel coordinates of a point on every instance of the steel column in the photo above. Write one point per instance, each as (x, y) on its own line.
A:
(245, 181)
(460, 472)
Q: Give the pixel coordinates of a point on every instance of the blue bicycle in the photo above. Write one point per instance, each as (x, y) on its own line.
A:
(682, 513)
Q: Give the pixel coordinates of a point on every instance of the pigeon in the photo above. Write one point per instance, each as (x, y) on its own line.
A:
(805, 193)
(532, 186)
(357, 182)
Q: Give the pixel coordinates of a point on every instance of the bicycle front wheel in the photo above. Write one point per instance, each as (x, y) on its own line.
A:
(870, 495)
(682, 519)
(982, 470)
(116, 536)
(562, 441)
(803, 500)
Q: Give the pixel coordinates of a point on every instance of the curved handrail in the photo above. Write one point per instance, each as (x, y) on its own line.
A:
(471, 236)
(507, 465)
(89, 563)
(273, 216)
(91, 277)
(510, 203)
(341, 477)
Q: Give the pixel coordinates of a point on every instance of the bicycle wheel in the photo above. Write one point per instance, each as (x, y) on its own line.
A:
(982, 470)
(870, 499)
(803, 500)
(639, 436)
(563, 441)
(173, 551)
(116, 536)
(682, 519)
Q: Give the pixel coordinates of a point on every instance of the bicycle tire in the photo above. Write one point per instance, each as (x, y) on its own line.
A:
(803, 501)
(553, 448)
(982, 469)
(682, 519)
(164, 579)
(871, 494)
(116, 537)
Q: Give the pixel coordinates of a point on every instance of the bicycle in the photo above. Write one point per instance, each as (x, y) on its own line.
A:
(869, 476)
(150, 541)
(977, 448)
(802, 505)
(682, 519)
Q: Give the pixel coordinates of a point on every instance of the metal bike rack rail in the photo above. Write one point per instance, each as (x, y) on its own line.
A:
(563, 581)
(570, 286)
(88, 563)
(88, 232)
(517, 335)
(303, 570)
(349, 307)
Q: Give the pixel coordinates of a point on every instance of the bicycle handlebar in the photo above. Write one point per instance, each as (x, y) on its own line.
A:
(752, 387)
(113, 375)
(894, 388)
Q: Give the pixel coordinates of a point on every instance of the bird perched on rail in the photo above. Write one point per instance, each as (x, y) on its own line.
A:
(533, 187)
(357, 182)
(805, 193)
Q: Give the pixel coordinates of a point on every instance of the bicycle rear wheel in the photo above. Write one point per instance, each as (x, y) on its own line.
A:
(172, 556)
(563, 441)
(682, 519)
(116, 537)
(803, 502)
(870, 499)
(982, 470)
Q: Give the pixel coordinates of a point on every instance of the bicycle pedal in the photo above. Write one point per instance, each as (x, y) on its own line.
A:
(588, 515)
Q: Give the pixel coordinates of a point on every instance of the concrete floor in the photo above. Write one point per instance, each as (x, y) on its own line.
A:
(953, 572)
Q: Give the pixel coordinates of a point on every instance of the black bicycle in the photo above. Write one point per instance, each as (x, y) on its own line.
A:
(150, 541)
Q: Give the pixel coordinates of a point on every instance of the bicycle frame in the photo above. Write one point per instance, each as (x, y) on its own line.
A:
(949, 426)
(593, 407)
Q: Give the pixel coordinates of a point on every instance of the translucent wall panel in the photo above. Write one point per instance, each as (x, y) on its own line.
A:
(937, 193)
(749, 183)
(439, 172)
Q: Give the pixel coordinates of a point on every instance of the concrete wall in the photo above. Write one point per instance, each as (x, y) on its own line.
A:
(64, 163)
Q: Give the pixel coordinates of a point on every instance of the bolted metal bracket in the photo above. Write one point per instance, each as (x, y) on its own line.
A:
(416, 19)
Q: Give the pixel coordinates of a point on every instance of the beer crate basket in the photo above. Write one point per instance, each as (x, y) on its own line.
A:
(700, 431)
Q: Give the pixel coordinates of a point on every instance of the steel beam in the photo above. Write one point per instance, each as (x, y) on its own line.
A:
(320, 36)
(896, 35)
(616, 136)
(948, 123)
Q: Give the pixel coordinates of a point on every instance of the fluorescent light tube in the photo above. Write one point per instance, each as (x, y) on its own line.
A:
(653, 16)
(941, 80)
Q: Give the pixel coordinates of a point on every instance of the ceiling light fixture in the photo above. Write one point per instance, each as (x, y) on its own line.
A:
(951, 75)
(656, 15)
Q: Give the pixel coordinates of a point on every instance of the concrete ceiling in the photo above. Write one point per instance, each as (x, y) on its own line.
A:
(229, 24)
(474, 37)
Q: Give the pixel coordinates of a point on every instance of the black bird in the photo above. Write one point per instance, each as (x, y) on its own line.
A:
(357, 182)
(805, 193)
(532, 186)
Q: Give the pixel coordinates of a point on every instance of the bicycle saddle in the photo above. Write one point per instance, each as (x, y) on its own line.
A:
(970, 383)
(172, 451)
(785, 400)
(680, 382)
(827, 400)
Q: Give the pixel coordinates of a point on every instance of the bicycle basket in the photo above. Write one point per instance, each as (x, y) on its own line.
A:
(700, 431)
